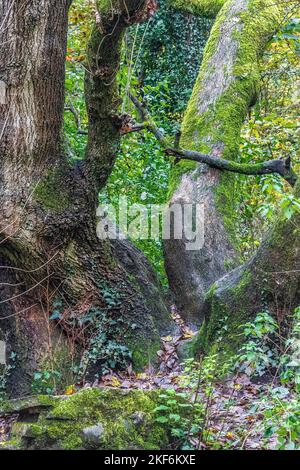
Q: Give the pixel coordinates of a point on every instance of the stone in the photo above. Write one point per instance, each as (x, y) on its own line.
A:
(138, 418)
(92, 435)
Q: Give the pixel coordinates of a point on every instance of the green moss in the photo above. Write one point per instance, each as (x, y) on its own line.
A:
(143, 355)
(103, 5)
(51, 192)
(224, 201)
(178, 170)
(220, 332)
(12, 444)
(20, 404)
(206, 8)
(218, 126)
(222, 121)
(63, 426)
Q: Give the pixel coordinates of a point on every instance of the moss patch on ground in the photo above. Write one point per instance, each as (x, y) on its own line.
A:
(127, 419)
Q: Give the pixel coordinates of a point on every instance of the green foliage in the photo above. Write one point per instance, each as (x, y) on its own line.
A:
(166, 58)
(187, 413)
(46, 382)
(290, 360)
(257, 355)
(156, 60)
(271, 353)
(102, 349)
(80, 23)
(160, 59)
(100, 331)
(181, 418)
(141, 174)
(157, 63)
(267, 350)
(282, 419)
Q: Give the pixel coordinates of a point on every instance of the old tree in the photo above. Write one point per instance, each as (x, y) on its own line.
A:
(52, 262)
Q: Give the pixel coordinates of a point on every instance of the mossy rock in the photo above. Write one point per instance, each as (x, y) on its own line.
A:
(126, 419)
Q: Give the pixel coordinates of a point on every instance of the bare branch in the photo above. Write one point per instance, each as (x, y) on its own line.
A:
(279, 166)
(148, 121)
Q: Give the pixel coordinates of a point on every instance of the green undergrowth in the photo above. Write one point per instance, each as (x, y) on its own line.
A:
(126, 418)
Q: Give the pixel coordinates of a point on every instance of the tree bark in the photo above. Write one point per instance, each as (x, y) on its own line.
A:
(49, 247)
(226, 87)
(269, 281)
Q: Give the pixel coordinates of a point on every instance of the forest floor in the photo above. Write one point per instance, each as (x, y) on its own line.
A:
(234, 407)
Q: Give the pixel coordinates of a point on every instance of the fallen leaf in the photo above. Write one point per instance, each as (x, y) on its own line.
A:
(70, 390)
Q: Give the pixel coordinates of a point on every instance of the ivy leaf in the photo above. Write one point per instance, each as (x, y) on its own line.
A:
(161, 419)
(56, 315)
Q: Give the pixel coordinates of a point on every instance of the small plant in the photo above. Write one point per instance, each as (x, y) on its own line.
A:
(259, 353)
(282, 418)
(103, 346)
(99, 331)
(182, 418)
(45, 382)
(290, 360)
(188, 414)
(281, 404)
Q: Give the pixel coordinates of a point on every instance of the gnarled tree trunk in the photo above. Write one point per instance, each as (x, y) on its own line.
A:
(49, 249)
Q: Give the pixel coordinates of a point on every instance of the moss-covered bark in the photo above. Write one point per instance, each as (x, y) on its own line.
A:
(227, 85)
(270, 280)
(101, 85)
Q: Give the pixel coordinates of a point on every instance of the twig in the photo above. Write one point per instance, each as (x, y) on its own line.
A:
(148, 122)
(72, 110)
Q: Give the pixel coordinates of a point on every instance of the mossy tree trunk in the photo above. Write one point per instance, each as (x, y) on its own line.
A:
(49, 249)
(270, 281)
(227, 85)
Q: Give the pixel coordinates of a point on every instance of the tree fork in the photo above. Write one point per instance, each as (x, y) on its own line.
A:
(48, 243)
